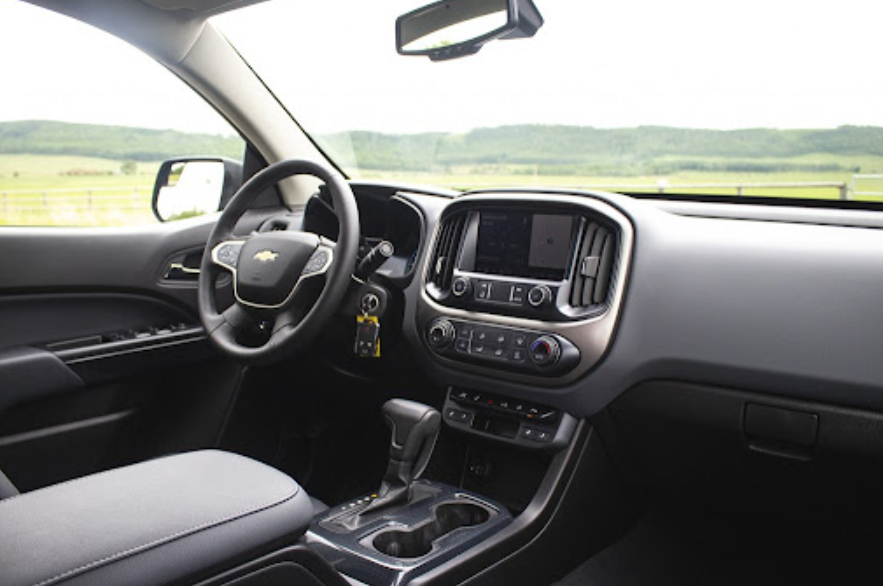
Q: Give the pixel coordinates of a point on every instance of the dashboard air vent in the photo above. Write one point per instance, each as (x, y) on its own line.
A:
(446, 245)
(594, 264)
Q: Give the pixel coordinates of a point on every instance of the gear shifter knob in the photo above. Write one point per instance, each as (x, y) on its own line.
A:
(414, 429)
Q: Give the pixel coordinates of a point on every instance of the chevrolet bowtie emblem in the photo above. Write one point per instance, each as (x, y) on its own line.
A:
(266, 255)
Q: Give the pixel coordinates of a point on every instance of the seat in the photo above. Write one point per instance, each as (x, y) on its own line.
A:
(177, 519)
(7, 489)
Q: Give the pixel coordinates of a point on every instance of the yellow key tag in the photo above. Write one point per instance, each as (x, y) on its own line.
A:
(367, 336)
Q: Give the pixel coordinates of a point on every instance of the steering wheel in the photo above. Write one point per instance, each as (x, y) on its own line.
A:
(270, 270)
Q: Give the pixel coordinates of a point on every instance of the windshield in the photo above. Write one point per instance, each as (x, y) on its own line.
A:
(689, 96)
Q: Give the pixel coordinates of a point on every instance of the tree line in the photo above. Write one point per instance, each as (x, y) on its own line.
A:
(538, 149)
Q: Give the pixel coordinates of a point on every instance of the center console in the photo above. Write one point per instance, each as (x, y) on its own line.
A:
(407, 527)
(526, 287)
(394, 547)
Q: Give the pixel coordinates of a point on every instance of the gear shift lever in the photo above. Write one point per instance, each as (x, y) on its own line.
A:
(414, 429)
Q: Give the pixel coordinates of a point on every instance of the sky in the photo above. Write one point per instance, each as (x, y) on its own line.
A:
(602, 63)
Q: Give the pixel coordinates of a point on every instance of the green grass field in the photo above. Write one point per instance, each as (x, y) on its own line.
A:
(46, 190)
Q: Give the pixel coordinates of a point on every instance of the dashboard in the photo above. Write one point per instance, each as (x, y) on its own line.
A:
(514, 293)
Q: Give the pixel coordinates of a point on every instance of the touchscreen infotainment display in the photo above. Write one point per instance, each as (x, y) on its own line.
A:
(523, 244)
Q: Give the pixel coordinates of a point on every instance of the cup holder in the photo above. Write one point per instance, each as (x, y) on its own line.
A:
(416, 542)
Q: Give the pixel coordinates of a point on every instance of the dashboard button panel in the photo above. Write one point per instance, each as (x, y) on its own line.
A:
(506, 348)
(507, 419)
(506, 294)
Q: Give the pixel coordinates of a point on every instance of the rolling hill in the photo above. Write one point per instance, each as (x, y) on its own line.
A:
(536, 149)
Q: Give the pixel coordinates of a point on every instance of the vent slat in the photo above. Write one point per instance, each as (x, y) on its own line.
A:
(603, 281)
(589, 286)
(433, 274)
(444, 246)
(591, 276)
(442, 267)
(576, 293)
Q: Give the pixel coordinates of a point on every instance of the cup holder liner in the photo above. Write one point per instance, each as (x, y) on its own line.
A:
(417, 541)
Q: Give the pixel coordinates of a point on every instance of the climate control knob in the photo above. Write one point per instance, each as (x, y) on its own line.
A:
(539, 296)
(545, 351)
(441, 333)
(461, 287)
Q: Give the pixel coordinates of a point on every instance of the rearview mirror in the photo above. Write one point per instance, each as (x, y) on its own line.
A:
(194, 186)
(455, 28)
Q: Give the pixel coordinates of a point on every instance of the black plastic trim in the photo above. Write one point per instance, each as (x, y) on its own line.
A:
(299, 556)
(30, 373)
(110, 349)
(491, 562)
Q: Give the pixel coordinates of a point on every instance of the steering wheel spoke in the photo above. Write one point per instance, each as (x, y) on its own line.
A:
(238, 317)
(290, 318)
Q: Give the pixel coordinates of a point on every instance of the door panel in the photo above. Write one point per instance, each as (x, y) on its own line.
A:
(102, 359)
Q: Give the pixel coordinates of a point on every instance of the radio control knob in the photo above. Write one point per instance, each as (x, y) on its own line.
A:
(441, 333)
(545, 351)
(461, 287)
(539, 296)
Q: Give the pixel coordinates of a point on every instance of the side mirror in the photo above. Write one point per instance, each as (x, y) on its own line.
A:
(194, 186)
(455, 28)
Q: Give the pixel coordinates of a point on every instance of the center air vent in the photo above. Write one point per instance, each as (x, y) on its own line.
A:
(447, 242)
(596, 251)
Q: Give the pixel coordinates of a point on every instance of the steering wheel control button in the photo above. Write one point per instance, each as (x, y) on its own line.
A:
(539, 296)
(317, 262)
(227, 254)
(545, 351)
(441, 333)
(461, 287)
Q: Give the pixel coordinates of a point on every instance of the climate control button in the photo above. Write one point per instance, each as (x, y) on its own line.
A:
(545, 351)
(441, 333)
(504, 348)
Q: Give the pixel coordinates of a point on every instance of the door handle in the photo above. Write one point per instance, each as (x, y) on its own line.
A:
(179, 271)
